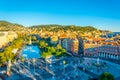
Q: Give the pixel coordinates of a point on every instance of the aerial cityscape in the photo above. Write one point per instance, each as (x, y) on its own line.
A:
(60, 40)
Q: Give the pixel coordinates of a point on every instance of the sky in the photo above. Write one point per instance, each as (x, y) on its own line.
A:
(102, 14)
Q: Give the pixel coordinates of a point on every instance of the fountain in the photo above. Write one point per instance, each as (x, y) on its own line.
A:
(98, 60)
(99, 64)
(31, 51)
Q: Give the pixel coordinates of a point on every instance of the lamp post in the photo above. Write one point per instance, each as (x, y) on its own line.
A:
(28, 63)
(64, 63)
(46, 62)
(9, 67)
(34, 64)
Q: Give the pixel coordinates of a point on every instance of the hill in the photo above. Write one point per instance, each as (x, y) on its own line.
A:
(55, 27)
(7, 26)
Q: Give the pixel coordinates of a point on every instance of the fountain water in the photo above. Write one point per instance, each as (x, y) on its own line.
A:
(98, 61)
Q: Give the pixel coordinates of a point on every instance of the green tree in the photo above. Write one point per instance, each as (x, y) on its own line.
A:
(51, 49)
(58, 54)
(45, 54)
(8, 54)
(43, 45)
(106, 76)
(58, 47)
(22, 59)
(2, 58)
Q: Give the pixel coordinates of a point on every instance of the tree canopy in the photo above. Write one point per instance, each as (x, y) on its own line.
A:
(51, 50)
(106, 76)
(7, 53)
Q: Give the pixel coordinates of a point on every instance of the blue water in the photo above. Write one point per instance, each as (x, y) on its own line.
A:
(116, 32)
(31, 52)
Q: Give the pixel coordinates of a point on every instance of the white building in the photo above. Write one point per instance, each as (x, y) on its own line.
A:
(3, 40)
(6, 37)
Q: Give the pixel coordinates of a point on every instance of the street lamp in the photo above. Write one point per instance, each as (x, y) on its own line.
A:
(34, 64)
(64, 63)
(9, 67)
(28, 63)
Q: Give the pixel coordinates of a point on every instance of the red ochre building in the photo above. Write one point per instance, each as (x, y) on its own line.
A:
(107, 50)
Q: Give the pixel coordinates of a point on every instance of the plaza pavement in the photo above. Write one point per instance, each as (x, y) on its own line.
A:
(57, 70)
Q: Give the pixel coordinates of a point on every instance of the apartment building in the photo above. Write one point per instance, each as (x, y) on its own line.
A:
(6, 37)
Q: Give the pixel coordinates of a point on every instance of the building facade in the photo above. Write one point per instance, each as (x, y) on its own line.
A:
(6, 37)
(72, 46)
(109, 52)
(80, 46)
(103, 51)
